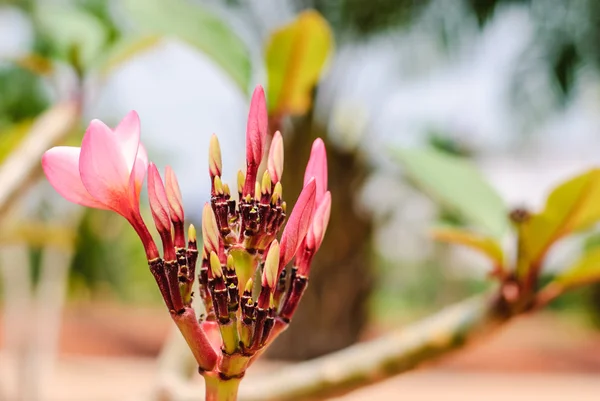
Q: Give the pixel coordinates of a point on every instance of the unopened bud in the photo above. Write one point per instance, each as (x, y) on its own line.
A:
(173, 196)
(230, 262)
(278, 190)
(317, 229)
(270, 272)
(215, 265)
(257, 191)
(210, 231)
(241, 178)
(226, 190)
(157, 197)
(214, 157)
(249, 286)
(218, 185)
(192, 233)
(275, 162)
(266, 183)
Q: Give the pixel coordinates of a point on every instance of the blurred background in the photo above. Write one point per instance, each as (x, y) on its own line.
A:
(511, 85)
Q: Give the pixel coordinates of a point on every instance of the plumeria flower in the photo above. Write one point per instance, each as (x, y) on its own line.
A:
(106, 172)
(248, 295)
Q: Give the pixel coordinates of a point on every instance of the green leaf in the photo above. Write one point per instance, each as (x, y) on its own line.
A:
(572, 206)
(458, 186)
(124, 50)
(72, 34)
(194, 25)
(586, 270)
(486, 245)
(295, 57)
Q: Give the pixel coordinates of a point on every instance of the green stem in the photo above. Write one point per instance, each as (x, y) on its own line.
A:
(218, 389)
(245, 265)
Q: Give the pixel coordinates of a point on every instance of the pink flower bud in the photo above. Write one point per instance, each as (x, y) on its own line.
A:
(297, 226)
(317, 229)
(214, 157)
(317, 167)
(271, 268)
(174, 196)
(210, 231)
(159, 205)
(275, 162)
(256, 135)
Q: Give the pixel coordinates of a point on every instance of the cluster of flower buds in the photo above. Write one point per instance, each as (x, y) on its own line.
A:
(242, 274)
(243, 278)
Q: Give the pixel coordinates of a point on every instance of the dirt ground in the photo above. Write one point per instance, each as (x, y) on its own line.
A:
(109, 355)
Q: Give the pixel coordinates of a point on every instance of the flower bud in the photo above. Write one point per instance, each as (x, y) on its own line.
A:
(297, 226)
(270, 272)
(214, 157)
(157, 197)
(317, 229)
(317, 167)
(256, 134)
(275, 161)
(210, 231)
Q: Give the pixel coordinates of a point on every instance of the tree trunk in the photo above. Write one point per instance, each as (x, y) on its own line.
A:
(334, 309)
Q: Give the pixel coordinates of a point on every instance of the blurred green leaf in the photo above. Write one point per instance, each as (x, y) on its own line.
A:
(124, 50)
(572, 206)
(486, 245)
(194, 25)
(457, 185)
(295, 57)
(586, 270)
(22, 96)
(71, 34)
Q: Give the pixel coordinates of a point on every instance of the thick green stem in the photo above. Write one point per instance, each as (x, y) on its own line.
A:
(366, 363)
(218, 389)
(245, 264)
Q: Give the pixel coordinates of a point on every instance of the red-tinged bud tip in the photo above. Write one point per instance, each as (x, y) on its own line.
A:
(215, 166)
(174, 196)
(157, 197)
(256, 129)
(271, 269)
(317, 229)
(210, 231)
(275, 162)
(297, 226)
(317, 167)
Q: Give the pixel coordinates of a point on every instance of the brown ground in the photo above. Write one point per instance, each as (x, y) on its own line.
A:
(107, 354)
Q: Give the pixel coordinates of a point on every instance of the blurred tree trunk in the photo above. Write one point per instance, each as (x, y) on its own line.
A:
(334, 309)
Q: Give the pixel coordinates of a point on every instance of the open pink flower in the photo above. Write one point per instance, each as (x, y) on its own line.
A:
(107, 172)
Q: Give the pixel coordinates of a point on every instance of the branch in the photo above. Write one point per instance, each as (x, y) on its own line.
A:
(21, 166)
(369, 362)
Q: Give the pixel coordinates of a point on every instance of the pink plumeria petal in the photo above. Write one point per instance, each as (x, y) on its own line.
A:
(157, 197)
(297, 226)
(317, 229)
(61, 166)
(317, 167)
(128, 135)
(103, 169)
